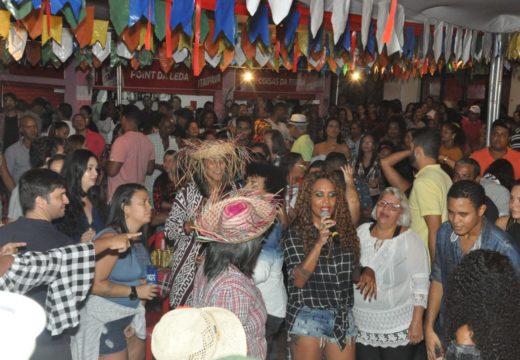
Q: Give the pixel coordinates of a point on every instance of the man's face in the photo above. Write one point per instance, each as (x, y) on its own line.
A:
(464, 172)
(293, 131)
(165, 128)
(9, 103)
(55, 204)
(79, 122)
(473, 116)
(499, 139)
(29, 128)
(280, 114)
(463, 215)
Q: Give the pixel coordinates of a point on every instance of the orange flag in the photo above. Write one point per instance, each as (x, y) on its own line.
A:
(211, 47)
(33, 23)
(132, 36)
(227, 58)
(84, 30)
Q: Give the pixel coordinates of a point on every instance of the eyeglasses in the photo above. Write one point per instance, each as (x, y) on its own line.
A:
(393, 207)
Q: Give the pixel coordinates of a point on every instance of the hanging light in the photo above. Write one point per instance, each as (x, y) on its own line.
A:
(248, 76)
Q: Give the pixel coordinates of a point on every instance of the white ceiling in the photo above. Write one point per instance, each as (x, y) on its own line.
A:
(484, 15)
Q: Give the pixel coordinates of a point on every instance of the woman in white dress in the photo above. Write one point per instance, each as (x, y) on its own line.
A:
(390, 301)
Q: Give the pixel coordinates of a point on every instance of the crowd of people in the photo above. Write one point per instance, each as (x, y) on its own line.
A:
(373, 232)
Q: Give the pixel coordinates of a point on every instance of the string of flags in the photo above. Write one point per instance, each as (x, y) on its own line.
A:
(246, 33)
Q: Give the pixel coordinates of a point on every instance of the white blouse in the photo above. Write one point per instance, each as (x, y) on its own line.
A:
(402, 274)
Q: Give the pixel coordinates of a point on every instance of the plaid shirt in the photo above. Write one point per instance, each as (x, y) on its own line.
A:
(234, 291)
(329, 287)
(68, 271)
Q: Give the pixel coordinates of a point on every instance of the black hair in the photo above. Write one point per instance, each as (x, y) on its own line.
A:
(74, 142)
(455, 128)
(503, 170)
(483, 293)
(288, 161)
(73, 170)
(278, 141)
(339, 139)
(501, 123)
(60, 125)
(122, 197)
(467, 189)
(263, 146)
(373, 158)
(42, 149)
(10, 95)
(38, 182)
(66, 110)
(317, 164)
(166, 104)
(274, 180)
(471, 162)
(133, 114)
(56, 157)
(399, 120)
(243, 256)
(335, 160)
(429, 140)
(206, 112)
(87, 108)
(245, 119)
(169, 153)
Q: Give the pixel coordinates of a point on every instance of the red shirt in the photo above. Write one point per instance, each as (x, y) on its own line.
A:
(484, 159)
(95, 143)
(472, 131)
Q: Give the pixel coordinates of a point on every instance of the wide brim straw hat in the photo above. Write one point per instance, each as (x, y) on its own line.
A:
(242, 216)
(198, 334)
(191, 159)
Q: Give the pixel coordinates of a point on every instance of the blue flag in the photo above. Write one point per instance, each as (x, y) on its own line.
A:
(259, 26)
(225, 20)
(182, 13)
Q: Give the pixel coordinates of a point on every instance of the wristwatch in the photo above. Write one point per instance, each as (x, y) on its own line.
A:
(133, 293)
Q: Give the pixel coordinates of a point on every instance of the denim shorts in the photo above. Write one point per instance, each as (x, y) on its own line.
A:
(113, 339)
(315, 322)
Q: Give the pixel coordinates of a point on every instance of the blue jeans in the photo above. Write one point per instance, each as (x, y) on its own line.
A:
(315, 323)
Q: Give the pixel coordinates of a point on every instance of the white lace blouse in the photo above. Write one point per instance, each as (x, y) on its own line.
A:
(402, 277)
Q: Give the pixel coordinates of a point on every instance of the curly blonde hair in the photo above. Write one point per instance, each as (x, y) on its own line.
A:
(303, 223)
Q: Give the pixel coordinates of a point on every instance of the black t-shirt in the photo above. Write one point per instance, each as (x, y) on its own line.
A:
(11, 131)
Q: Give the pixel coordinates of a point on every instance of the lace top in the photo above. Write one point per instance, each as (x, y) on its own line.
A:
(401, 268)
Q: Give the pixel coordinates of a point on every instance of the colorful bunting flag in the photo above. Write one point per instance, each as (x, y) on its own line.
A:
(5, 17)
(225, 20)
(56, 23)
(259, 26)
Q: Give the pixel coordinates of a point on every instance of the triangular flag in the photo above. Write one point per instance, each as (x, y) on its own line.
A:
(55, 27)
(33, 53)
(316, 8)
(248, 48)
(448, 42)
(102, 51)
(458, 44)
(16, 41)
(426, 37)
(213, 61)
(252, 6)
(99, 32)
(259, 26)
(5, 17)
(466, 47)
(119, 11)
(132, 36)
(64, 50)
(84, 30)
(366, 19)
(262, 58)
(212, 48)
(180, 55)
(33, 23)
(123, 51)
(225, 20)
(437, 40)
(182, 13)
(340, 10)
(291, 24)
(227, 58)
(279, 9)
(18, 11)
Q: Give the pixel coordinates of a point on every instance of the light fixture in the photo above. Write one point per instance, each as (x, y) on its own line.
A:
(247, 76)
(356, 75)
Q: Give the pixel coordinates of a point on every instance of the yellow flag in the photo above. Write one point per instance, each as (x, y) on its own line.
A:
(5, 17)
(303, 43)
(56, 27)
(185, 42)
(142, 38)
(99, 32)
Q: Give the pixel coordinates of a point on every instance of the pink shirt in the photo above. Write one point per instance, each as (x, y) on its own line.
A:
(134, 150)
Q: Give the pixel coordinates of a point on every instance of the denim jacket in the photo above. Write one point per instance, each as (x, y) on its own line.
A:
(448, 254)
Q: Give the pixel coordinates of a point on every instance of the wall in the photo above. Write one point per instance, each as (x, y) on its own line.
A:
(408, 91)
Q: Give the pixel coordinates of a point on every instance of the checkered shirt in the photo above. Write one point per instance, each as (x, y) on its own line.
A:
(68, 271)
(329, 287)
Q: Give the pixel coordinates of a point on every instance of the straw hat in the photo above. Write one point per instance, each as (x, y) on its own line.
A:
(298, 119)
(191, 158)
(474, 109)
(241, 217)
(198, 334)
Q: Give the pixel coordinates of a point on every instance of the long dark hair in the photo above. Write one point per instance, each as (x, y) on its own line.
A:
(122, 197)
(359, 160)
(73, 170)
(339, 139)
(483, 293)
(243, 256)
(278, 141)
(303, 221)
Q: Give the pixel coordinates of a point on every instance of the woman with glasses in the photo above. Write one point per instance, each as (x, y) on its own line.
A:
(393, 288)
(85, 214)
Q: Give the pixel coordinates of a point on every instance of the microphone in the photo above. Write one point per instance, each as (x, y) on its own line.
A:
(334, 234)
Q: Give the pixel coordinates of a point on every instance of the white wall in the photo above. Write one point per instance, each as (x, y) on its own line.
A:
(407, 91)
(514, 94)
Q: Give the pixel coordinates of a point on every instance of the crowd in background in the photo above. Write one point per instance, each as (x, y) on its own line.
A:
(416, 187)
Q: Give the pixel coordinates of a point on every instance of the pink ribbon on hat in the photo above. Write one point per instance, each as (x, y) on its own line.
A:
(236, 208)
